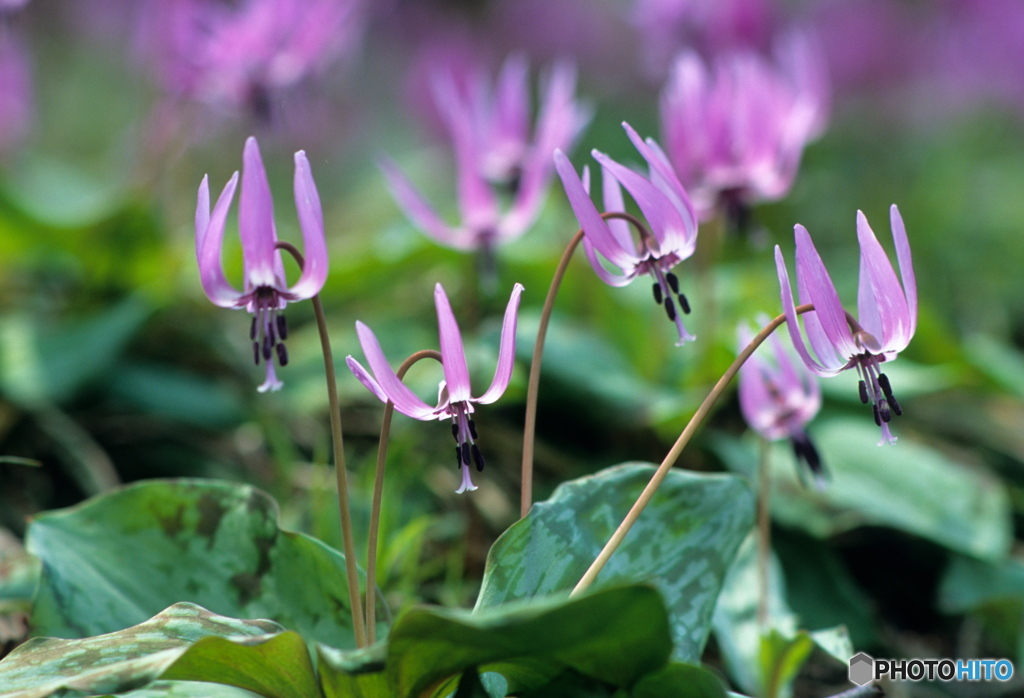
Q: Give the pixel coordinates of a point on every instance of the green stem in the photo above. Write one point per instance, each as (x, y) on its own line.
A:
(378, 494)
(340, 471)
(677, 448)
(764, 529)
(530, 425)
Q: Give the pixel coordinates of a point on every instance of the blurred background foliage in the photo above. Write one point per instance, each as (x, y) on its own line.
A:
(114, 367)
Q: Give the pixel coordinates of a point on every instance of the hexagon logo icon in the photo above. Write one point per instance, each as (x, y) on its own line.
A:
(862, 668)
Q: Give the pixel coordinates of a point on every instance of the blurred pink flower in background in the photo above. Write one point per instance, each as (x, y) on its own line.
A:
(735, 129)
(240, 56)
(497, 153)
(16, 93)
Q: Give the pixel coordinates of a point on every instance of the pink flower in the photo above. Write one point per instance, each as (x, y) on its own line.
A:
(736, 132)
(455, 395)
(495, 151)
(265, 292)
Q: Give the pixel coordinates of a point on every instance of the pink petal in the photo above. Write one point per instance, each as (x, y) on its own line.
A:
(593, 225)
(453, 354)
(899, 236)
(506, 350)
(791, 319)
(311, 220)
(606, 276)
(209, 241)
(883, 299)
(365, 378)
(256, 222)
(405, 400)
(822, 293)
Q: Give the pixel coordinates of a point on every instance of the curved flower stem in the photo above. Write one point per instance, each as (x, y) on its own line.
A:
(340, 472)
(378, 492)
(530, 423)
(677, 448)
(764, 530)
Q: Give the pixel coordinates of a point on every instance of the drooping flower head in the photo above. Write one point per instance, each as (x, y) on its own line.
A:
(455, 398)
(886, 314)
(778, 397)
(243, 54)
(495, 152)
(736, 132)
(265, 290)
(664, 203)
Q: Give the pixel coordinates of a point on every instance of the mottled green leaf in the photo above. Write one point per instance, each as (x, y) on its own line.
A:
(683, 543)
(353, 673)
(118, 661)
(187, 689)
(908, 486)
(117, 559)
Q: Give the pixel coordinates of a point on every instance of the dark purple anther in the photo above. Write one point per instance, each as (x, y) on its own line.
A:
(465, 453)
(684, 304)
(673, 282)
(268, 347)
(282, 328)
(256, 352)
(670, 308)
(252, 329)
(282, 355)
(455, 431)
(862, 386)
(478, 458)
(472, 429)
(657, 293)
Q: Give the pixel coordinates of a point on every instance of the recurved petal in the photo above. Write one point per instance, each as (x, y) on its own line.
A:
(453, 354)
(822, 293)
(208, 245)
(791, 319)
(590, 220)
(393, 389)
(666, 223)
(506, 350)
(365, 378)
(899, 236)
(256, 221)
(610, 278)
(311, 220)
(882, 298)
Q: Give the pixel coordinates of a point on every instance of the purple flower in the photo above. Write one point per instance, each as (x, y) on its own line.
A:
(663, 202)
(265, 290)
(242, 54)
(886, 314)
(735, 134)
(455, 399)
(495, 152)
(779, 397)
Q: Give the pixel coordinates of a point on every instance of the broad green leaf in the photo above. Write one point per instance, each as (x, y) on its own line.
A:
(276, 667)
(683, 543)
(678, 680)
(118, 661)
(740, 635)
(117, 559)
(907, 486)
(613, 636)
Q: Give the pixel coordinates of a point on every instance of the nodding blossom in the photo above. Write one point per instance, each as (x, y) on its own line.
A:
(664, 203)
(243, 54)
(265, 290)
(496, 156)
(455, 399)
(736, 131)
(778, 397)
(886, 314)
